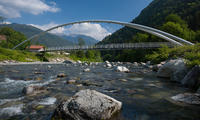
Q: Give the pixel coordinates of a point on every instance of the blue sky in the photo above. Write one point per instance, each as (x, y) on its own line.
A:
(48, 13)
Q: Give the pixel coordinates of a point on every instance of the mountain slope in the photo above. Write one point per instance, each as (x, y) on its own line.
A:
(154, 16)
(74, 39)
(49, 40)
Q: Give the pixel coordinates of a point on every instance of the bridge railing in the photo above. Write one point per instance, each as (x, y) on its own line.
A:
(113, 46)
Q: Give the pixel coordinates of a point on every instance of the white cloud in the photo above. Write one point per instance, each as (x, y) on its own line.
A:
(13, 8)
(7, 22)
(60, 30)
(93, 30)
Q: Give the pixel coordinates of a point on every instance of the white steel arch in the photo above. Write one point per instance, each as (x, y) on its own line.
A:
(161, 34)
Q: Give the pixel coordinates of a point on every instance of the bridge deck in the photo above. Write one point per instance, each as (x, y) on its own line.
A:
(146, 45)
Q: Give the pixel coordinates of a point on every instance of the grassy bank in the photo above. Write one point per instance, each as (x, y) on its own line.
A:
(75, 58)
(17, 55)
(190, 53)
(90, 56)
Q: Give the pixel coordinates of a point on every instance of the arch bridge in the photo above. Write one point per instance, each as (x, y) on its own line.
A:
(161, 34)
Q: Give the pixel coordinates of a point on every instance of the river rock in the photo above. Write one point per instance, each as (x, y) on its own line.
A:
(33, 89)
(38, 78)
(123, 80)
(162, 63)
(148, 63)
(61, 75)
(122, 69)
(87, 105)
(79, 62)
(68, 62)
(135, 64)
(90, 83)
(174, 69)
(86, 70)
(49, 66)
(157, 67)
(108, 65)
(71, 81)
(188, 98)
(192, 79)
(143, 64)
(150, 66)
(107, 62)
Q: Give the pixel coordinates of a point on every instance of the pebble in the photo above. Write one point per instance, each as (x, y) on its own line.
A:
(71, 81)
(61, 75)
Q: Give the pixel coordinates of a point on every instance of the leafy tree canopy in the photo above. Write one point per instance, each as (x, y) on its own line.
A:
(12, 38)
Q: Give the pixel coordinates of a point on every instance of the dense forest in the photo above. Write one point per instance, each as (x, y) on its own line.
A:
(180, 17)
(12, 38)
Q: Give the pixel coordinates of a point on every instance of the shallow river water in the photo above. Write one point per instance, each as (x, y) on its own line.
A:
(144, 96)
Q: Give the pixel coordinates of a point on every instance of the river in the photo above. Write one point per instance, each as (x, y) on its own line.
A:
(144, 96)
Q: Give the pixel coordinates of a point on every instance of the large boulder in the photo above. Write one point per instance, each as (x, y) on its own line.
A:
(192, 79)
(122, 69)
(87, 105)
(188, 98)
(174, 69)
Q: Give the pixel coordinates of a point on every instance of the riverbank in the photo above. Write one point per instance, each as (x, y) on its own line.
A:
(29, 63)
(143, 95)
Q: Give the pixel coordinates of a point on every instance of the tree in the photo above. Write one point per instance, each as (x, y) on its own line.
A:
(90, 54)
(197, 37)
(80, 54)
(140, 37)
(179, 30)
(12, 38)
(176, 19)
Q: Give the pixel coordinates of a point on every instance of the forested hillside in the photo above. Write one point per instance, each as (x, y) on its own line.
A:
(155, 14)
(11, 38)
(178, 17)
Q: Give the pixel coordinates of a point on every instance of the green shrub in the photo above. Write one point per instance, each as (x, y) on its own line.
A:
(22, 56)
(190, 52)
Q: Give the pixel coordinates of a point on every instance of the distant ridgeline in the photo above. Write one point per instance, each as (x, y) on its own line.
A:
(48, 39)
(178, 17)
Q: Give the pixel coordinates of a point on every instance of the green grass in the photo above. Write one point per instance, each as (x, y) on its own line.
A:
(191, 53)
(17, 55)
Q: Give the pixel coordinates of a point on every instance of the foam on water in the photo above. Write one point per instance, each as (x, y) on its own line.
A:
(47, 101)
(137, 79)
(9, 82)
(44, 83)
(11, 111)
(14, 87)
(3, 101)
